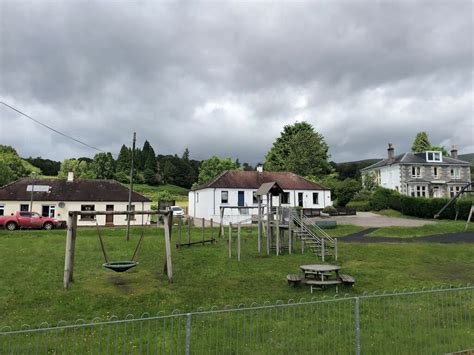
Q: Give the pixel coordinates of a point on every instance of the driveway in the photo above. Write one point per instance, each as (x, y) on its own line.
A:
(373, 220)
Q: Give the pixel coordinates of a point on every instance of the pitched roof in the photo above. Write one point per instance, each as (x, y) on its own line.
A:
(63, 190)
(269, 187)
(237, 179)
(415, 158)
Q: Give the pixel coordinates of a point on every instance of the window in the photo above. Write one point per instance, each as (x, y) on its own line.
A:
(132, 216)
(435, 172)
(455, 173)
(254, 198)
(285, 198)
(2, 210)
(197, 197)
(453, 190)
(25, 214)
(48, 211)
(315, 198)
(418, 191)
(24, 208)
(87, 208)
(434, 157)
(415, 171)
(224, 196)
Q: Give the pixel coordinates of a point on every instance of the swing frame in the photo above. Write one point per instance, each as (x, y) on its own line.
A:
(72, 233)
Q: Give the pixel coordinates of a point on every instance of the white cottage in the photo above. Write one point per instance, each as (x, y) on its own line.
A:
(238, 188)
(56, 197)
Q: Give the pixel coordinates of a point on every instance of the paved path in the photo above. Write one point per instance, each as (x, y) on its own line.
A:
(360, 237)
(369, 219)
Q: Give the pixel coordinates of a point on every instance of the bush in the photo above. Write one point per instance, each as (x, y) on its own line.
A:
(428, 207)
(362, 195)
(359, 206)
(329, 210)
(346, 190)
(383, 199)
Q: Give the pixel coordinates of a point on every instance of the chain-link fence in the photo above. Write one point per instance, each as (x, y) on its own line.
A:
(433, 321)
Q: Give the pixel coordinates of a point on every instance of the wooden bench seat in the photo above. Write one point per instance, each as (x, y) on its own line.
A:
(346, 280)
(293, 279)
(320, 285)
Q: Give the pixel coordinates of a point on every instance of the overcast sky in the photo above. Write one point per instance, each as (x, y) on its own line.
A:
(223, 78)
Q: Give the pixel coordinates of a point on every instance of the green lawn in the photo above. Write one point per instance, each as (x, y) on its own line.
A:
(430, 229)
(32, 270)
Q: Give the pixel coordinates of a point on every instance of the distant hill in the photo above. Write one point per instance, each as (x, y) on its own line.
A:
(467, 157)
(352, 169)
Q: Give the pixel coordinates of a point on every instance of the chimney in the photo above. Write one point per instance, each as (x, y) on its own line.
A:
(454, 152)
(260, 168)
(70, 176)
(390, 152)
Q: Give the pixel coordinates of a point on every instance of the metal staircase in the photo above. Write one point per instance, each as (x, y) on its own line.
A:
(320, 243)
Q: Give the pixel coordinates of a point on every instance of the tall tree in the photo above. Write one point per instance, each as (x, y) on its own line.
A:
(421, 143)
(123, 160)
(185, 156)
(6, 174)
(80, 168)
(103, 166)
(299, 149)
(214, 166)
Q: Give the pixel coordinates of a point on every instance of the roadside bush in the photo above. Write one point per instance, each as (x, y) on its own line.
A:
(329, 210)
(428, 207)
(346, 190)
(383, 199)
(362, 195)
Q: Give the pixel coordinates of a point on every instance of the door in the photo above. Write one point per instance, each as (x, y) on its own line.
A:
(436, 192)
(24, 219)
(300, 199)
(241, 198)
(109, 219)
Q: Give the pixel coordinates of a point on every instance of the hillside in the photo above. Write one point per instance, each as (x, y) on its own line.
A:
(352, 169)
(179, 194)
(467, 157)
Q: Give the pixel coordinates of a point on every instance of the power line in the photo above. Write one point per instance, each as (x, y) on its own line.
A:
(52, 129)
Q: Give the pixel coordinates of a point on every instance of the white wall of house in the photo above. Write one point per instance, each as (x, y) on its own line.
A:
(206, 203)
(390, 177)
(11, 207)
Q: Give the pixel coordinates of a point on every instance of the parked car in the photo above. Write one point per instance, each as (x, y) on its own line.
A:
(177, 211)
(28, 220)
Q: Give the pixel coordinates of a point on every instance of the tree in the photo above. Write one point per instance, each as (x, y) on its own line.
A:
(185, 156)
(421, 143)
(440, 148)
(47, 166)
(103, 166)
(345, 191)
(368, 181)
(124, 160)
(80, 168)
(6, 174)
(17, 167)
(299, 149)
(214, 166)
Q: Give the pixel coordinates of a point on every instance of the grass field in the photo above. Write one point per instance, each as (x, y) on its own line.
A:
(32, 269)
(180, 194)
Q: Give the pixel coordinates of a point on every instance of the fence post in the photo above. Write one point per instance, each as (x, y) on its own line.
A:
(230, 239)
(188, 334)
(212, 229)
(357, 325)
(238, 241)
(335, 249)
(202, 230)
(322, 248)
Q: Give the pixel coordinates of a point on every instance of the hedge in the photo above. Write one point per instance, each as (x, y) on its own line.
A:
(359, 206)
(418, 206)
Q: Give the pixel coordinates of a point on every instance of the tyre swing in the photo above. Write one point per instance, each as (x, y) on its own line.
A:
(121, 265)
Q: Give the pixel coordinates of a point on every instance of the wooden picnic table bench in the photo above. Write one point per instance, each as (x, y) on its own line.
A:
(293, 279)
(319, 284)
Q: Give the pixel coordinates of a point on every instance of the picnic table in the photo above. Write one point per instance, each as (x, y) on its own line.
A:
(321, 275)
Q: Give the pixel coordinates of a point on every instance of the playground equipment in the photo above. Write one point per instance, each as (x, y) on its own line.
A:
(121, 266)
(281, 226)
(118, 266)
(191, 221)
(464, 190)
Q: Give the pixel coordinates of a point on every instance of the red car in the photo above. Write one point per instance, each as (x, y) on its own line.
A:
(28, 220)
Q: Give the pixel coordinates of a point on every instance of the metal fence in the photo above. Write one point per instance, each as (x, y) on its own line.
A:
(432, 321)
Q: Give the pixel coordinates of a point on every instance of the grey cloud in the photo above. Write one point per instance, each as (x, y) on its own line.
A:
(223, 78)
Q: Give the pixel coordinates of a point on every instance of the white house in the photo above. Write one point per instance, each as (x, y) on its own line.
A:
(424, 174)
(56, 197)
(238, 188)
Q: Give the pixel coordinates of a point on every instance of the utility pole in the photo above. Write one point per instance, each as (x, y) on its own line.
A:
(131, 187)
(32, 191)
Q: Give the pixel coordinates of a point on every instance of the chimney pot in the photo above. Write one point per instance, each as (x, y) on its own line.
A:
(260, 168)
(454, 152)
(70, 176)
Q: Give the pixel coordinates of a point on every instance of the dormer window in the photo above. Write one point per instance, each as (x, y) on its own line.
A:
(434, 156)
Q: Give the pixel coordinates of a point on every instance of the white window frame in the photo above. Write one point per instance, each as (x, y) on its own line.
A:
(287, 200)
(317, 198)
(434, 156)
(453, 190)
(51, 208)
(132, 216)
(85, 208)
(455, 173)
(2, 209)
(254, 197)
(416, 171)
(226, 193)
